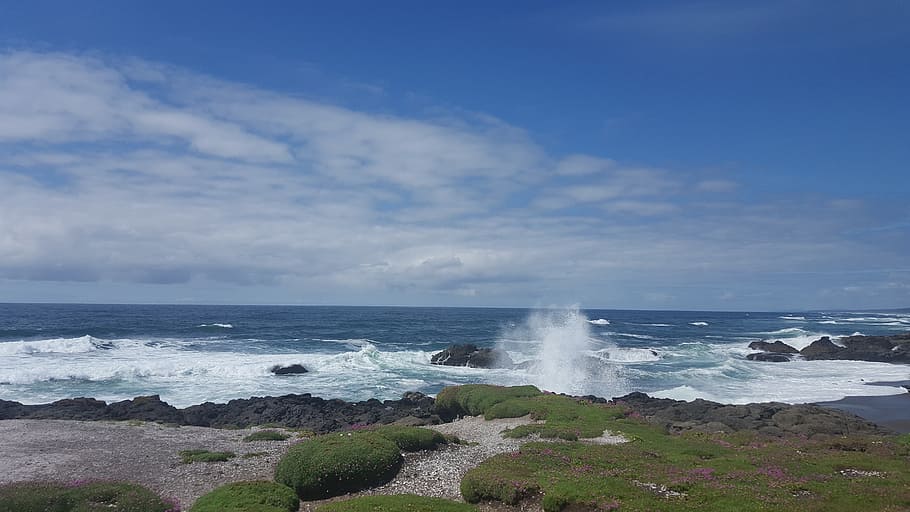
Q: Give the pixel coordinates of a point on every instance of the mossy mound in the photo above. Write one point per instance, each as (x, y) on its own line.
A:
(336, 464)
(87, 497)
(477, 399)
(248, 497)
(266, 435)
(397, 503)
(412, 439)
(190, 456)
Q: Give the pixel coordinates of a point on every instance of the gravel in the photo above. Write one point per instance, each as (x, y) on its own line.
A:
(147, 453)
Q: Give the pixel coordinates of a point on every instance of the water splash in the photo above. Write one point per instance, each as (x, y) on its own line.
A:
(561, 354)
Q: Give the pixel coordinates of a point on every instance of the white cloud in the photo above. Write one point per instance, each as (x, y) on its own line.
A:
(136, 172)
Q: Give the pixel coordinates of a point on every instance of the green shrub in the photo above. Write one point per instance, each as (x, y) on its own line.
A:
(335, 464)
(412, 439)
(397, 503)
(266, 435)
(190, 456)
(476, 399)
(81, 497)
(248, 497)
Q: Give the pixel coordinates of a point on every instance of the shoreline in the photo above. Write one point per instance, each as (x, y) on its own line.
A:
(889, 411)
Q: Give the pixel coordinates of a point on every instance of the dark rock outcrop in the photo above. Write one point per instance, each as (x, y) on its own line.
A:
(882, 349)
(775, 419)
(299, 411)
(470, 355)
(778, 347)
(292, 369)
(768, 357)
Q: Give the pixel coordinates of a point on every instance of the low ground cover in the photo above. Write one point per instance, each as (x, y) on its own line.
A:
(694, 471)
(266, 435)
(248, 497)
(190, 456)
(397, 503)
(81, 497)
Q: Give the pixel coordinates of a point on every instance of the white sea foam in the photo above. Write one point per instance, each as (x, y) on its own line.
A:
(659, 325)
(793, 382)
(599, 321)
(790, 317)
(55, 345)
(633, 335)
(223, 326)
(698, 324)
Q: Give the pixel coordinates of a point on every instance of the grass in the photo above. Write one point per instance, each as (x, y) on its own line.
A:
(336, 464)
(662, 472)
(266, 435)
(190, 456)
(81, 497)
(411, 439)
(397, 503)
(248, 497)
(476, 399)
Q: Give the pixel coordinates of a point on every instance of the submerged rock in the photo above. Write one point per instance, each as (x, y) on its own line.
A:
(470, 355)
(768, 357)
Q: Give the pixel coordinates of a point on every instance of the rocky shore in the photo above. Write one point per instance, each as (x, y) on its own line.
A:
(298, 411)
(321, 415)
(878, 349)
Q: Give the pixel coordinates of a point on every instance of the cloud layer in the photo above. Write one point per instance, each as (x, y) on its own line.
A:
(130, 172)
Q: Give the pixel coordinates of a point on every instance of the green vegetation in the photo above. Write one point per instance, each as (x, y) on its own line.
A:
(81, 497)
(397, 503)
(476, 399)
(335, 464)
(190, 456)
(662, 472)
(266, 435)
(411, 439)
(248, 497)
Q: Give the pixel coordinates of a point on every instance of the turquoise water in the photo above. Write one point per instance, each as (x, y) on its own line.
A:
(192, 354)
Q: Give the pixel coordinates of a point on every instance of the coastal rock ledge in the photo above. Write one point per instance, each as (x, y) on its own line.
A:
(877, 349)
(297, 411)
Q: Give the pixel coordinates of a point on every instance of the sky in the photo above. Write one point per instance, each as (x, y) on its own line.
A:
(684, 154)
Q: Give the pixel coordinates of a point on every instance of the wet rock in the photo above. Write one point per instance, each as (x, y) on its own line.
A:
(882, 349)
(778, 347)
(293, 369)
(470, 355)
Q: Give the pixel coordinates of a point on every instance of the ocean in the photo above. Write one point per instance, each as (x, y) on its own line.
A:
(193, 354)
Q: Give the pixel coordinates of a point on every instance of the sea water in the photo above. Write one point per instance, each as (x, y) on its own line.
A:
(194, 354)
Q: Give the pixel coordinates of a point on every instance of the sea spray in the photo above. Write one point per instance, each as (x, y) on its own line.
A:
(562, 354)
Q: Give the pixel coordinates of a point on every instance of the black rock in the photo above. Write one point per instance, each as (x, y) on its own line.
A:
(768, 358)
(288, 370)
(772, 418)
(470, 355)
(778, 347)
(882, 349)
(822, 348)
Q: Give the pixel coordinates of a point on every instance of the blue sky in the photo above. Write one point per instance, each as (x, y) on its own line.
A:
(658, 155)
